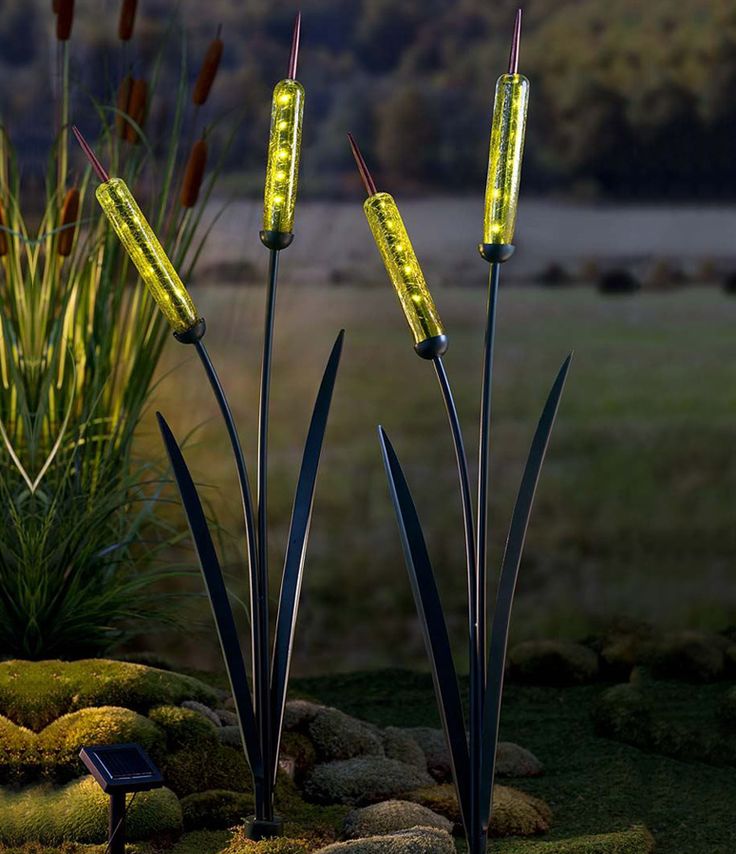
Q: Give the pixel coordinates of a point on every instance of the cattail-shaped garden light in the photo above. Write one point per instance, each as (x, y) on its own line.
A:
(472, 749)
(260, 710)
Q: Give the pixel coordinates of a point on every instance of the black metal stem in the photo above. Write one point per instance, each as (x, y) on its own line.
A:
(481, 557)
(263, 704)
(476, 693)
(251, 545)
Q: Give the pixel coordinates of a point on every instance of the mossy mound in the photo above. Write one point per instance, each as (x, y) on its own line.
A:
(433, 745)
(389, 817)
(515, 813)
(301, 750)
(35, 693)
(637, 840)
(552, 662)
(78, 812)
(336, 735)
(60, 742)
(215, 809)
(363, 780)
(399, 745)
(188, 771)
(513, 760)
(623, 712)
(185, 729)
(417, 840)
(689, 656)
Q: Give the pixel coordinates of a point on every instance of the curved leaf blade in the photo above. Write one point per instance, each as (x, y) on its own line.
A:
(296, 550)
(432, 619)
(507, 586)
(218, 596)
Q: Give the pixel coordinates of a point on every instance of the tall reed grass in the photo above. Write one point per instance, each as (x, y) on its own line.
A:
(81, 522)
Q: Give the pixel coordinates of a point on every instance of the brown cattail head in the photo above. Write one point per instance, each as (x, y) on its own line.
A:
(193, 174)
(126, 22)
(123, 103)
(64, 19)
(137, 108)
(68, 222)
(3, 233)
(208, 71)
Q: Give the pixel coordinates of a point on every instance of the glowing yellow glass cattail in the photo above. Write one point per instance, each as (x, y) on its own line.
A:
(504, 159)
(147, 254)
(403, 268)
(284, 145)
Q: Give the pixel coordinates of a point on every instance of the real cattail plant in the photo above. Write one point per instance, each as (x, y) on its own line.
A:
(208, 71)
(64, 19)
(122, 104)
(137, 108)
(193, 174)
(126, 22)
(68, 222)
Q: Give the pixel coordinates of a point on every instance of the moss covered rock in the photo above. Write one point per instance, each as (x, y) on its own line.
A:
(433, 745)
(215, 809)
(363, 780)
(399, 744)
(301, 751)
(624, 713)
(19, 760)
(212, 767)
(552, 662)
(240, 844)
(79, 812)
(390, 816)
(60, 742)
(298, 714)
(336, 735)
(35, 693)
(184, 729)
(689, 656)
(416, 840)
(515, 813)
(515, 761)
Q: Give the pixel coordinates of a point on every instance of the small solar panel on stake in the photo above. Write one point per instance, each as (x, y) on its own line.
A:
(120, 769)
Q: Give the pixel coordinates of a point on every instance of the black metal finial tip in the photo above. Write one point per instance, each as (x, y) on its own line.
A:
(515, 42)
(294, 58)
(365, 175)
(98, 168)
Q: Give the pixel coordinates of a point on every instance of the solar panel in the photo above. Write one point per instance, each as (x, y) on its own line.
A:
(121, 767)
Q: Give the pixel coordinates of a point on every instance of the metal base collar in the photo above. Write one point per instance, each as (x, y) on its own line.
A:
(496, 252)
(276, 239)
(189, 336)
(257, 829)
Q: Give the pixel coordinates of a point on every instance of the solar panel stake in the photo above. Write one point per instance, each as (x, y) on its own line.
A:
(116, 830)
(118, 770)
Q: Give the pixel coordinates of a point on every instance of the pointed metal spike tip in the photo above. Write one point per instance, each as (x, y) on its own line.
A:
(515, 42)
(365, 175)
(90, 155)
(294, 58)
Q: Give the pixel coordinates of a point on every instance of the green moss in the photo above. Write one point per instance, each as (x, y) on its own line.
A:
(215, 809)
(240, 844)
(623, 712)
(340, 736)
(552, 662)
(35, 693)
(185, 729)
(390, 816)
(638, 840)
(416, 840)
(59, 744)
(79, 812)
(209, 767)
(363, 780)
(440, 799)
(688, 656)
(18, 753)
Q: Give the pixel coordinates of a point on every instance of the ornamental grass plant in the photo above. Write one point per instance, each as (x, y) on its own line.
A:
(81, 522)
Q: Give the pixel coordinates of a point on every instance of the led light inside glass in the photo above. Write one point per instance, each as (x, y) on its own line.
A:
(402, 267)
(504, 159)
(147, 254)
(284, 145)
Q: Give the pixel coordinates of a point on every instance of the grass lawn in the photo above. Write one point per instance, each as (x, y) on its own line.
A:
(634, 514)
(593, 785)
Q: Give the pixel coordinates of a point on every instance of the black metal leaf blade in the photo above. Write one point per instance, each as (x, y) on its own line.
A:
(507, 587)
(296, 549)
(432, 619)
(217, 593)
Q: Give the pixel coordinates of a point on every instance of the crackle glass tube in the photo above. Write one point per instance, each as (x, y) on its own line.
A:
(504, 159)
(402, 267)
(147, 254)
(284, 145)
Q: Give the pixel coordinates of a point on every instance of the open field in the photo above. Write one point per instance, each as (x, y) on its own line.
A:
(635, 510)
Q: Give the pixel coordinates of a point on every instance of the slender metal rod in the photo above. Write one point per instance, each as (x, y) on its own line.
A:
(476, 695)
(263, 704)
(250, 531)
(481, 556)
